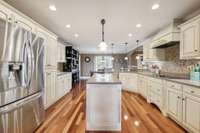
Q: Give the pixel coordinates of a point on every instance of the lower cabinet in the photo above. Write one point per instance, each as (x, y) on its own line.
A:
(50, 88)
(55, 87)
(64, 85)
(156, 93)
(174, 104)
(129, 81)
(142, 85)
(191, 111)
(183, 105)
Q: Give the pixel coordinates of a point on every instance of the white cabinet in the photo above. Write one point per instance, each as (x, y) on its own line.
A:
(63, 85)
(50, 88)
(183, 105)
(61, 52)
(190, 39)
(191, 108)
(129, 81)
(150, 54)
(142, 85)
(50, 49)
(174, 104)
(156, 93)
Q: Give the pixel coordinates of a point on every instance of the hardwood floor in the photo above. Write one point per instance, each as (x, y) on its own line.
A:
(68, 115)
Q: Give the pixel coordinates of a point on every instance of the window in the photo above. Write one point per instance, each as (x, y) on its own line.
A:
(103, 62)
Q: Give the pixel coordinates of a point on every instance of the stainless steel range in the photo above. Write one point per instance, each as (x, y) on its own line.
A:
(21, 79)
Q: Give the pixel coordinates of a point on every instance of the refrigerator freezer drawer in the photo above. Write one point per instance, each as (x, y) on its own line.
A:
(23, 116)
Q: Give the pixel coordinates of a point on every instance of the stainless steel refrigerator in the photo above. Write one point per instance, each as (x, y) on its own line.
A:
(21, 79)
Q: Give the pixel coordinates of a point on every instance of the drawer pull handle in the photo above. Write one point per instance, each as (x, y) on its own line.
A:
(183, 99)
(178, 97)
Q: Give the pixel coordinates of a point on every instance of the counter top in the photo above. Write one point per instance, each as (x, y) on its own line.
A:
(176, 80)
(103, 79)
(62, 73)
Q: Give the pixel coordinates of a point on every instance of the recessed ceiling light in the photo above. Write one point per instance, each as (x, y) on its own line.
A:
(68, 26)
(138, 25)
(130, 34)
(76, 35)
(155, 6)
(52, 7)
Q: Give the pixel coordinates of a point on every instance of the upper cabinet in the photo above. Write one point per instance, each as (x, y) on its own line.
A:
(190, 39)
(61, 52)
(50, 43)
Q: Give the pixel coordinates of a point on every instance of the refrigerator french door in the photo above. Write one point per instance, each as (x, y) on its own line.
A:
(21, 79)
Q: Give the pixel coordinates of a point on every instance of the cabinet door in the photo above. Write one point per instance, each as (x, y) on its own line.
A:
(144, 88)
(191, 112)
(174, 104)
(63, 53)
(132, 82)
(52, 47)
(122, 78)
(59, 53)
(50, 88)
(190, 43)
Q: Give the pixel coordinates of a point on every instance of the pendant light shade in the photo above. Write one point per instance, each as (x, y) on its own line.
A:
(103, 46)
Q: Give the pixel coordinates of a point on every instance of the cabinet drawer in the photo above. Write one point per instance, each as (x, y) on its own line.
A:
(175, 86)
(156, 88)
(191, 90)
(159, 81)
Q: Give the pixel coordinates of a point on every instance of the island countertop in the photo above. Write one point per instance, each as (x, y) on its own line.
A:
(106, 78)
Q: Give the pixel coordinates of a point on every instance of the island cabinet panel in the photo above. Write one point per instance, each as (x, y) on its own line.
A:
(103, 107)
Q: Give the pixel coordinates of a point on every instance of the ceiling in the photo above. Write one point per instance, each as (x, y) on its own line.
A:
(121, 19)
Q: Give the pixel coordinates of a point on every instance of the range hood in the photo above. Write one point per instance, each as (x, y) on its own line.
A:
(168, 36)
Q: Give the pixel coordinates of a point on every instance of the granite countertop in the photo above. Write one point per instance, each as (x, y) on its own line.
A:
(103, 79)
(176, 80)
(62, 73)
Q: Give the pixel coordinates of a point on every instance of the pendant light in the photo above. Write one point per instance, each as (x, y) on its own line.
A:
(103, 46)
(126, 58)
(112, 51)
(137, 52)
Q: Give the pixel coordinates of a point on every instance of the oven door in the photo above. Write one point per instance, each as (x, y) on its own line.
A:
(23, 116)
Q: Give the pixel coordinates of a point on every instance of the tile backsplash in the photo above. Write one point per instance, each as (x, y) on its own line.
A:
(173, 64)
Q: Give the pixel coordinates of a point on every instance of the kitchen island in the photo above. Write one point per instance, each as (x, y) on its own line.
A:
(103, 103)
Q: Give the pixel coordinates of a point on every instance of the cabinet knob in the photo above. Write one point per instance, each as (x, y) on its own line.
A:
(195, 50)
(178, 97)
(183, 99)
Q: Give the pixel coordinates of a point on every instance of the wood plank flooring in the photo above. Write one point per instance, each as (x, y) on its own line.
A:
(68, 115)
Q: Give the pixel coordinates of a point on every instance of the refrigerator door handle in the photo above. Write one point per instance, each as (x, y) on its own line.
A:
(20, 103)
(32, 63)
